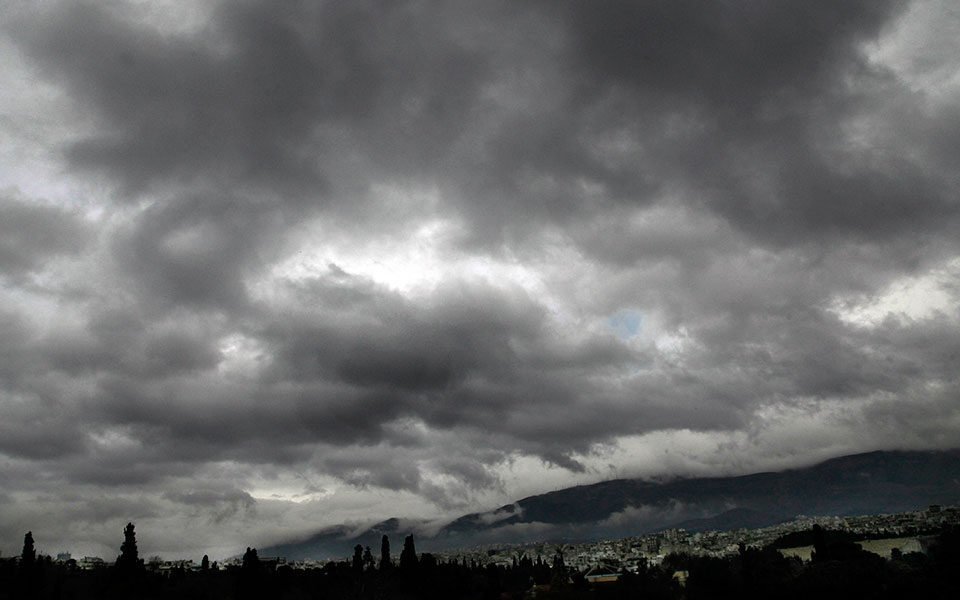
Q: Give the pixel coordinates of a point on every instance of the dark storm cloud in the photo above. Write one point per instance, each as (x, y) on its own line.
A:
(744, 108)
(169, 107)
(50, 436)
(397, 343)
(122, 340)
(248, 98)
(253, 98)
(194, 251)
(329, 379)
(631, 217)
(32, 233)
(728, 54)
(226, 503)
(15, 334)
(763, 86)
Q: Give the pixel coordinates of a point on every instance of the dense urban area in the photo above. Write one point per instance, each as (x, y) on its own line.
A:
(905, 531)
(877, 556)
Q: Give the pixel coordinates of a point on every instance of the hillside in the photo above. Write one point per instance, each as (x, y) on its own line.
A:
(871, 483)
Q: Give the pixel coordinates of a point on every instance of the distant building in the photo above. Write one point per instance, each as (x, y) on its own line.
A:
(602, 574)
(89, 563)
(63, 557)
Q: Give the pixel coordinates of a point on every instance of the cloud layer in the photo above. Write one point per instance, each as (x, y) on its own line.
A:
(266, 268)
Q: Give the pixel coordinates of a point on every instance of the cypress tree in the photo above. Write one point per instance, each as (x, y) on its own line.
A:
(385, 562)
(358, 558)
(408, 557)
(29, 554)
(129, 558)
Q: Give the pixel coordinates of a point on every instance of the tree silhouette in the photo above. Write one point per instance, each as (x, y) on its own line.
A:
(129, 558)
(385, 562)
(819, 544)
(358, 558)
(205, 563)
(408, 557)
(250, 559)
(559, 578)
(251, 580)
(558, 563)
(29, 554)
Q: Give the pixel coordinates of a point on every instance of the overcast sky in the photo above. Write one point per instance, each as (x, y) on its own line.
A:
(266, 267)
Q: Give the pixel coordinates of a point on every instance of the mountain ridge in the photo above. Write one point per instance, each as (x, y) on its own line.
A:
(868, 483)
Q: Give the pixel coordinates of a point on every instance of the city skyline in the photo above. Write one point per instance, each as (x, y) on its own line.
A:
(265, 269)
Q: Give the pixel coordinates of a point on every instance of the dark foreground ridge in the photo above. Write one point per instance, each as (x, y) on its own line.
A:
(862, 484)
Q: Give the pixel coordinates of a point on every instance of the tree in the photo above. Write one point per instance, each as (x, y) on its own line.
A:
(428, 561)
(251, 561)
(368, 562)
(129, 558)
(385, 562)
(205, 563)
(558, 564)
(358, 558)
(819, 543)
(251, 580)
(29, 554)
(408, 557)
(560, 576)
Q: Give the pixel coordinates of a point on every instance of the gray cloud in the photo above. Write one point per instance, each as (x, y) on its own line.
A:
(315, 263)
(33, 233)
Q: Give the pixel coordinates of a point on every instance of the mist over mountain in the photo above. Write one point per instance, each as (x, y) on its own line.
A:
(871, 483)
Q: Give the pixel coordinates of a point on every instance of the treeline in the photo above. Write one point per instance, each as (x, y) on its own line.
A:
(796, 539)
(838, 569)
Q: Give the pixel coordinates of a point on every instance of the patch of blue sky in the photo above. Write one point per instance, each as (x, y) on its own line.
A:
(625, 323)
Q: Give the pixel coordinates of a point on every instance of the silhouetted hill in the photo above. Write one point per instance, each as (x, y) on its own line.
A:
(871, 483)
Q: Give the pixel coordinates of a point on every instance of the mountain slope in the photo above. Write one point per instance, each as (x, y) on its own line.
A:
(876, 482)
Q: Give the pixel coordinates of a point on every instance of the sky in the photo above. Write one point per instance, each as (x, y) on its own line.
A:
(267, 267)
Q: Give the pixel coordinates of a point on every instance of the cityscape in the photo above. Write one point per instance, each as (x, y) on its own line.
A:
(915, 549)
(907, 532)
